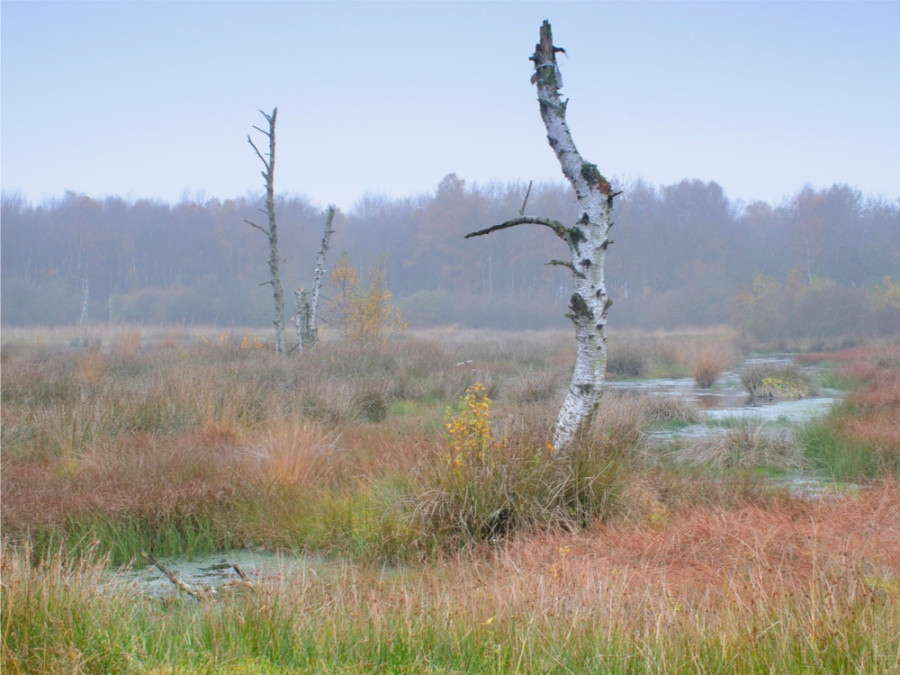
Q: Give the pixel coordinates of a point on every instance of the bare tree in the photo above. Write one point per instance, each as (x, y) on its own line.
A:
(587, 240)
(271, 231)
(306, 311)
(317, 279)
(85, 294)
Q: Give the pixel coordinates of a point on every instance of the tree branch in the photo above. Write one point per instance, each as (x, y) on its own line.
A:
(261, 229)
(258, 153)
(269, 118)
(179, 584)
(558, 228)
(525, 201)
(562, 263)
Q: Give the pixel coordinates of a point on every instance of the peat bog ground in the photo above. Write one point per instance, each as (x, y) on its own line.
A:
(399, 509)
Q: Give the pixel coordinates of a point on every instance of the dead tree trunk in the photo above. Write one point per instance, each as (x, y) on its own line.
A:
(301, 319)
(317, 279)
(271, 231)
(306, 310)
(85, 294)
(587, 240)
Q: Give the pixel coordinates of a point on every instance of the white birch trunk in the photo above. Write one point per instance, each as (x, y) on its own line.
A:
(85, 294)
(301, 318)
(587, 240)
(317, 279)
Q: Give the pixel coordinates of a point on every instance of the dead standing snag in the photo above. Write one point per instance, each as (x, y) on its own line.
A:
(587, 240)
(271, 231)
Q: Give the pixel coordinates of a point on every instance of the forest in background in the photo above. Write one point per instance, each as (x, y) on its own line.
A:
(821, 263)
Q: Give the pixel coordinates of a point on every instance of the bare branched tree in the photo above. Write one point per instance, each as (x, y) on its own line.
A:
(272, 230)
(587, 240)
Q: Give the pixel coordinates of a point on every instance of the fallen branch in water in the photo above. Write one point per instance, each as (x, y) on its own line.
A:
(179, 584)
(205, 592)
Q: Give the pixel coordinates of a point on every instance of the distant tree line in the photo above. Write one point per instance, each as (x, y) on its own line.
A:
(821, 262)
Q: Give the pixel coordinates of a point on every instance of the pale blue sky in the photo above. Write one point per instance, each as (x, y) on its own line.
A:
(152, 99)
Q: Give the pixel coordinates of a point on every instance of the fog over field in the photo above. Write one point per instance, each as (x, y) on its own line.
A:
(757, 161)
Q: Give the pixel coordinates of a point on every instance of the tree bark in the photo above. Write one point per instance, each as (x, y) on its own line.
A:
(272, 230)
(587, 240)
(317, 279)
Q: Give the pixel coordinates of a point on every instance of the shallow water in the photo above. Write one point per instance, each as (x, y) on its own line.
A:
(216, 570)
(727, 399)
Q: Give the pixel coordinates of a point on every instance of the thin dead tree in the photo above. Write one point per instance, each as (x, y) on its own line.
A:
(271, 231)
(85, 295)
(306, 311)
(318, 275)
(587, 240)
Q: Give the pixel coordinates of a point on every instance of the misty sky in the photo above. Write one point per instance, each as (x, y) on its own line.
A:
(155, 99)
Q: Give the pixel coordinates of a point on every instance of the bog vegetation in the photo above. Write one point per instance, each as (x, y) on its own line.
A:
(418, 468)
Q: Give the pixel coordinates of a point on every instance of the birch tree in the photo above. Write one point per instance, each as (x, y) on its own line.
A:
(271, 231)
(587, 240)
(307, 310)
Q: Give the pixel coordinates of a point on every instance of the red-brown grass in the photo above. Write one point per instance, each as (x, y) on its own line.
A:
(876, 418)
(145, 476)
(701, 555)
(710, 363)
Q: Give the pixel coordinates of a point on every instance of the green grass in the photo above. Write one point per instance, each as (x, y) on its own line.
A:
(60, 618)
(832, 452)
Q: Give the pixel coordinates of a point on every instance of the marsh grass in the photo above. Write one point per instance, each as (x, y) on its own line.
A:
(860, 438)
(747, 444)
(480, 486)
(608, 564)
(792, 587)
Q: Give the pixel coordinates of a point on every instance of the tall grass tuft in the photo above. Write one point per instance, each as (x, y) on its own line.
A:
(476, 487)
(709, 364)
(750, 444)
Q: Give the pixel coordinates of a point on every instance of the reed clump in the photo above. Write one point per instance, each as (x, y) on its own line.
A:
(709, 364)
(778, 381)
(747, 445)
(478, 486)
